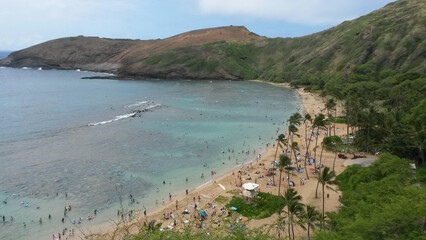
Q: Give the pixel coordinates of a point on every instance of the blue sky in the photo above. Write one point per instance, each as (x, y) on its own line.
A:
(24, 23)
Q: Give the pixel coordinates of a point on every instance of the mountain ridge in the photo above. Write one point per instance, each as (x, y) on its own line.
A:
(392, 37)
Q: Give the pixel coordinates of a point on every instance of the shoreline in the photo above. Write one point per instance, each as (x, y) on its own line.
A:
(225, 183)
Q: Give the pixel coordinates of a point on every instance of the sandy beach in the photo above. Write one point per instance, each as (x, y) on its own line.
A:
(170, 214)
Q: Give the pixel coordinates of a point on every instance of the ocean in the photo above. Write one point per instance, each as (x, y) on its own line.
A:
(88, 143)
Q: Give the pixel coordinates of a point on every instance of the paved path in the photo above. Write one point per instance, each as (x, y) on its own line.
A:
(362, 161)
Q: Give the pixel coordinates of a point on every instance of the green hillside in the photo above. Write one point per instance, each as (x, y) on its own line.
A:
(390, 38)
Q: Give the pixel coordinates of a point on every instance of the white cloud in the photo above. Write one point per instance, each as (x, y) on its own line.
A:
(27, 22)
(57, 10)
(307, 12)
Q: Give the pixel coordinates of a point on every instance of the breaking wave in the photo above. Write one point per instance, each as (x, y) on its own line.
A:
(135, 113)
(136, 104)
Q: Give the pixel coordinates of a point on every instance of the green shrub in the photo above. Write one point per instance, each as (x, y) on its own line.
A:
(264, 206)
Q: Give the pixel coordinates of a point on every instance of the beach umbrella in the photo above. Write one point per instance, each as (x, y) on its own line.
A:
(204, 214)
(311, 169)
(266, 171)
(234, 208)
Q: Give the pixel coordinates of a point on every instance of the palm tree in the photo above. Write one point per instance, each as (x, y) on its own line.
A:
(294, 121)
(292, 130)
(319, 123)
(294, 207)
(310, 216)
(326, 178)
(335, 153)
(296, 210)
(306, 119)
(284, 161)
(323, 143)
(415, 134)
(281, 140)
(330, 105)
(295, 148)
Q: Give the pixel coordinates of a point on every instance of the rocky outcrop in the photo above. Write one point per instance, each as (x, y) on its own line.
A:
(123, 57)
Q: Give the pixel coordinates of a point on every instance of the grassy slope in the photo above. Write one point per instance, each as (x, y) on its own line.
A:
(390, 38)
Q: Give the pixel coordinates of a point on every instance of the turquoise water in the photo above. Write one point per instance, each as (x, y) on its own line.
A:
(63, 134)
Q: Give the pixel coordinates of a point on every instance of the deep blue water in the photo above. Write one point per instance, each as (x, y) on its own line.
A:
(60, 133)
(4, 54)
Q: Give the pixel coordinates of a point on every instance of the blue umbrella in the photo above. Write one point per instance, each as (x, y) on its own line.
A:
(204, 214)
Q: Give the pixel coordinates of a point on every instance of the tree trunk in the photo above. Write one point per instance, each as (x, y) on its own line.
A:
(295, 159)
(323, 201)
(368, 138)
(309, 237)
(329, 123)
(279, 204)
(288, 224)
(315, 150)
(306, 145)
(316, 190)
(279, 187)
(275, 158)
(290, 144)
(292, 226)
(335, 156)
(288, 177)
(422, 156)
(334, 124)
(307, 154)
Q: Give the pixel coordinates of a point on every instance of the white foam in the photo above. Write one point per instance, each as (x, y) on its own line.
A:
(26, 68)
(152, 106)
(204, 184)
(136, 104)
(40, 68)
(113, 120)
(120, 117)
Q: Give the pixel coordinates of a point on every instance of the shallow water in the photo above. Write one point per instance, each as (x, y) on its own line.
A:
(60, 133)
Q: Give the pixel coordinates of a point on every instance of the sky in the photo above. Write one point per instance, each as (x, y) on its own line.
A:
(24, 23)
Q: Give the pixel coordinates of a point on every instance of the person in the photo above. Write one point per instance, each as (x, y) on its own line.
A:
(40, 221)
(4, 218)
(186, 191)
(63, 220)
(50, 217)
(186, 179)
